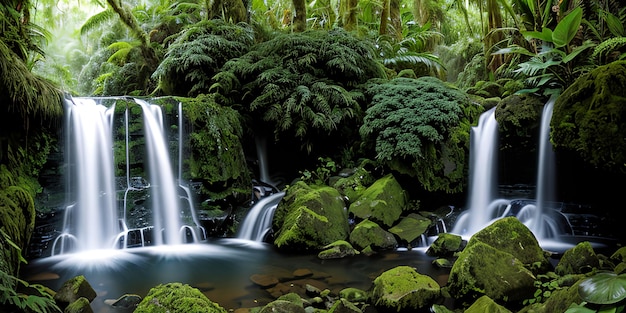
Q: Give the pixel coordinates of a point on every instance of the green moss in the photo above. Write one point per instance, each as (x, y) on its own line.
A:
(369, 234)
(403, 288)
(177, 298)
(518, 119)
(411, 227)
(578, 260)
(589, 117)
(382, 202)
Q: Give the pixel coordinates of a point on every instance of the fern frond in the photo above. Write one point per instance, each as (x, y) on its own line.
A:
(603, 50)
(98, 20)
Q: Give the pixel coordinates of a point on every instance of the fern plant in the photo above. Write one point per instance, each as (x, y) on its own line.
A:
(610, 50)
(302, 83)
(197, 54)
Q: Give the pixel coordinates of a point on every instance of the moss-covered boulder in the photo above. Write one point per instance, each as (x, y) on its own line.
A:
(512, 236)
(353, 294)
(81, 305)
(177, 298)
(368, 234)
(310, 217)
(484, 270)
(288, 303)
(382, 202)
(485, 304)
(578, 260)
(74, 289)
(518, 119)
(353, 186)
(344, 306)
(445, 245)
(589, 118)
(337, 250)
(402, 288)
(411, 227)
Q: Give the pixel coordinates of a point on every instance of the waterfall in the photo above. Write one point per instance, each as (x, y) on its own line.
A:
(259, 219)
(91, 215)
(482, 175)
(261, 151)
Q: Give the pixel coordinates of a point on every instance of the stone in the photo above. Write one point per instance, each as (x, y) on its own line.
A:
(353, 294)
(74, 289)
(337, 250)
(81, 305)
(402, 288)
(411, 227)
(309, 218)
(302, 272)
(484, 270)
(127, 301)
(578, 260)
(344, 306)
(382, 202)
(177, 298)
(445, 245)
(486, 304)
(369, 234)
(264, 281)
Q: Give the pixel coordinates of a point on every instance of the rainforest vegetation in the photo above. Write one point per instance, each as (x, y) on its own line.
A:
(398, 82)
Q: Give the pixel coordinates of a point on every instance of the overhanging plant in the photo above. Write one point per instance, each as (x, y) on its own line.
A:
(556, 63)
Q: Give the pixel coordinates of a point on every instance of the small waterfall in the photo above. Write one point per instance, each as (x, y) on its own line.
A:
(91, 216)
(259, 219)
(261, 151)
(165, 202)
(482, 179)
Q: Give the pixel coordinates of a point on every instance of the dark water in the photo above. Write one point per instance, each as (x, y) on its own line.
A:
(221, 269)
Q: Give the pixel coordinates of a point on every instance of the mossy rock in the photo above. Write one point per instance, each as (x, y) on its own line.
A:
(354, 294)
(382, 202)
(310, 217)
(402, 288)
(411, 227)
(518, 118)
(344, 306)
(369, 234)
(74, 289)
(177, 298)
(510, 235)
(589, 118)
(353, 186)
(81, 305)
(578, 260)
(445, 245)
(485, 304)
(485, 270)
(337, 250)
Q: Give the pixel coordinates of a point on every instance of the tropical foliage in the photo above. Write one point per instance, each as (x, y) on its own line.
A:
(420, 127)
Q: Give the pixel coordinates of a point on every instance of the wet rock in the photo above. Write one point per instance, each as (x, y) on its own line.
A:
(369, 234)
(382, 202)
(177, 298)
(486, 304)
(411, 227)
(81, 305)
(484, 270)
(74, 289)
(445, 245)
(302, 272)
(404, 289)
(289, 303)
(337, 250)
(127, 301)
(353, 294)
(264, 281)
(310, 217)
(578, 260)
(344, 306)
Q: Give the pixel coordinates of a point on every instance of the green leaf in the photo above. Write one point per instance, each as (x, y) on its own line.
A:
(578, 50)
(603, 288)
(515, 49)
(615, 24)
(545, 35)
(579, 308)
(567, 28)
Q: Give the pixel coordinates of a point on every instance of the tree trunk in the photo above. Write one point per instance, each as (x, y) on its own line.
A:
(350, 15)
(232, 11)
(384, 18)
(299, 20)
(396, 19)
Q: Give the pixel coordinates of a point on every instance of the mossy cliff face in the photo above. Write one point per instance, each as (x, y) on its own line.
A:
(589, 118)
(310, 217)
(17, 220)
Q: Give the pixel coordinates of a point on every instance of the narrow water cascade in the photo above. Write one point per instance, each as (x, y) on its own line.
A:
(482, 175)
(90, 220)
(261, 151)
(258, 221)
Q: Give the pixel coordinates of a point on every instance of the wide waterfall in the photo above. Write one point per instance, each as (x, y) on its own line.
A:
(101, 204)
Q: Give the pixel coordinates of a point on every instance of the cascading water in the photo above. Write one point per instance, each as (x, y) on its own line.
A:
(259, 219)
(91, 217)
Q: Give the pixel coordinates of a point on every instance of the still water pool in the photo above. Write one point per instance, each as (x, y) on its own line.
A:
(221, 269)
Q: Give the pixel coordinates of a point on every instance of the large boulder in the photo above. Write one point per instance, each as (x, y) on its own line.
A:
(411, 227)
(74, 289)
(512, 236)
(382, 202)
(177, 298)
(580, 259)
(484, 270)
(370, 235)
(402, 288)
(310, 217)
